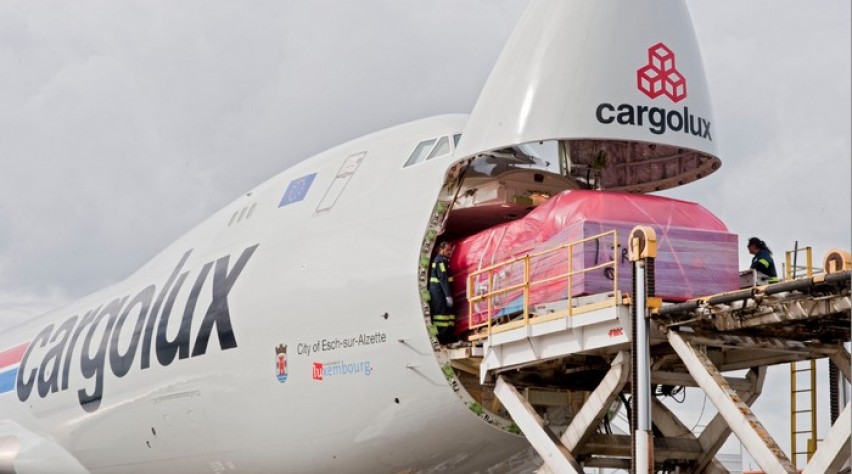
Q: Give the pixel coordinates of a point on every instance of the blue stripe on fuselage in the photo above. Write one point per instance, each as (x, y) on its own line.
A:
(7, 380)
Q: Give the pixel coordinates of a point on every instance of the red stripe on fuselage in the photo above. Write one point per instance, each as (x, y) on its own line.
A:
(13, 356)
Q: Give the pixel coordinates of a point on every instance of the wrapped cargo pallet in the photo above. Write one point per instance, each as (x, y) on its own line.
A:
(697, 256)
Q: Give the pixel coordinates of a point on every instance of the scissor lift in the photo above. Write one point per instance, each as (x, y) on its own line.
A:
(593, 345)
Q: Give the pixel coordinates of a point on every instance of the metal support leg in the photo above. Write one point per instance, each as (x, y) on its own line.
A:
(589, 417)
(833, 452)
(547, 444)
(643, 447)
(843, 361)
(765, 451)
(671, 427)
(717, 431)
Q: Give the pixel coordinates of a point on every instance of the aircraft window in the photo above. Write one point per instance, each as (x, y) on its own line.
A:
(441, 149)
(456, 139)
(245, 212)
(420, 152)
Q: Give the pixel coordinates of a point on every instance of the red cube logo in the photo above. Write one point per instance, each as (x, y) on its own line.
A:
(660, 76)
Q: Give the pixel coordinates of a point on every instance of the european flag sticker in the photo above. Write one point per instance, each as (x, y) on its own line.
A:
(297, 190)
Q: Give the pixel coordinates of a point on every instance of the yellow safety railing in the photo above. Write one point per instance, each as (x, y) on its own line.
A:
(792, 266)
(526, 284)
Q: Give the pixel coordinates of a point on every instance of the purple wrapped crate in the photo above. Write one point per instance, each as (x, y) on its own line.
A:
(696, 255)
(690, 262)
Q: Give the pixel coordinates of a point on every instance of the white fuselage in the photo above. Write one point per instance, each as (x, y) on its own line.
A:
(338, 287)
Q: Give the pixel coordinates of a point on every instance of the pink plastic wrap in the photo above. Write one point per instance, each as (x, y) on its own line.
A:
(696, 256)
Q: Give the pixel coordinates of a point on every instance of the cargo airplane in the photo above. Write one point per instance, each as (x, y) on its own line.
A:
(290, 331)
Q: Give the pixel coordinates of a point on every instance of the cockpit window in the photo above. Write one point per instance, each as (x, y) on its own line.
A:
(441, 149)
(420, 152)
(456, 139)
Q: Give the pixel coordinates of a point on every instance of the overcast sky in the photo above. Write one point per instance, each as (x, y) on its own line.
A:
(125, 123)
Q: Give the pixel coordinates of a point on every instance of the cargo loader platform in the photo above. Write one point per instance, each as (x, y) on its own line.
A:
(584, 346)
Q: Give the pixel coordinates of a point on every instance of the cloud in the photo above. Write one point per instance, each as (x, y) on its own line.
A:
(22, 305)
(131, 122)
(779, 76)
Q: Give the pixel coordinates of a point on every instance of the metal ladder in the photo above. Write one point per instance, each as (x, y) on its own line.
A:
(807, 410)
